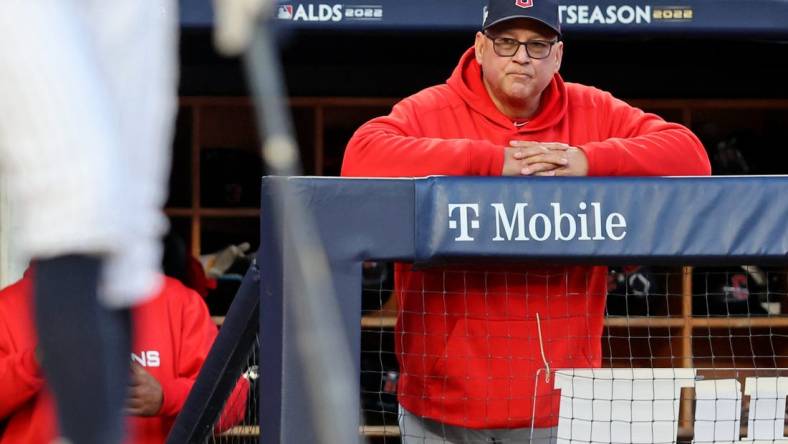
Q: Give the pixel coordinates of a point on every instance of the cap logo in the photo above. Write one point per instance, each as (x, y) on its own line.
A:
(524, 3)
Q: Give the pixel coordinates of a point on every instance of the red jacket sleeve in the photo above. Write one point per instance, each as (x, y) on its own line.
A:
(642, 144)
(392, 146)
(20, 378)
(197, 335)
(235, 407)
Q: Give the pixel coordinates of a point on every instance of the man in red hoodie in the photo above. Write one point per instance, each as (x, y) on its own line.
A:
(173, 333)
(476, 346)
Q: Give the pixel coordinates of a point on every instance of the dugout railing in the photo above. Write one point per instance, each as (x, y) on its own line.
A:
(439, 220)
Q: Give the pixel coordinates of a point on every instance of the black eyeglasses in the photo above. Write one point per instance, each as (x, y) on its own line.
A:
(508, 47)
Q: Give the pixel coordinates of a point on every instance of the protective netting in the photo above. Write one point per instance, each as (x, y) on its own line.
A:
(647, 355)
(247, 430)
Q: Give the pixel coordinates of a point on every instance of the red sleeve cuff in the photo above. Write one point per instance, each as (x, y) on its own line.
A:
(486, 159)
(597, 164)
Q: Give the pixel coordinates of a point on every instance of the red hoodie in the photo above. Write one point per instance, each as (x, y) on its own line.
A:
(471, 350)
(173, 334)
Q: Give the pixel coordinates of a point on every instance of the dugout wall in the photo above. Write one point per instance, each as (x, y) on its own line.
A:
(447, 219)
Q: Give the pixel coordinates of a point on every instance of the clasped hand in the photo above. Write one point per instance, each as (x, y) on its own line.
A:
(524, 158)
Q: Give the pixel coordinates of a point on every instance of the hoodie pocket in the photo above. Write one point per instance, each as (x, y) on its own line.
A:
(496, 368)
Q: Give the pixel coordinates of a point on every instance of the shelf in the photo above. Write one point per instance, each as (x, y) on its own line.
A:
(378, 321)
(229, 212)
(741, 322)
(212, 212)
(242, 432)
(635, 322)
(392, 431)
(202, 101)
(179, 212)
(620, 321)
(710, 103)
(296, 102)
(365, 430)
(383, 431)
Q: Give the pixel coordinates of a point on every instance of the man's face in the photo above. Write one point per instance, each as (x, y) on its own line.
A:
(518, 78)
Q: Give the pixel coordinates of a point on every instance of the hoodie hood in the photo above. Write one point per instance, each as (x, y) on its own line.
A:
(466, 81)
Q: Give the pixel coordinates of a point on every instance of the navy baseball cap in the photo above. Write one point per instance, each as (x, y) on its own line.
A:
(544, 11)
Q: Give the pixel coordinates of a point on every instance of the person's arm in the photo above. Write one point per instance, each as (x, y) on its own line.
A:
(195, 338)
(642, 144)
(20, 376)
(393, 146)
(197, 335)
(235, 407)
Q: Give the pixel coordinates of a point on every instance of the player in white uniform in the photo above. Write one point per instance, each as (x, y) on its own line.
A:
(87, 100)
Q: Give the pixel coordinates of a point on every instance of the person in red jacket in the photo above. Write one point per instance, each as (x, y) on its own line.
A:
(172, 336)
(476, 346)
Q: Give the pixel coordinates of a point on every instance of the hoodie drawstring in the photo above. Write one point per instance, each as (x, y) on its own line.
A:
(541, 348)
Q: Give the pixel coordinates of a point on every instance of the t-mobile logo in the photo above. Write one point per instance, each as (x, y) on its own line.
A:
(464, 214)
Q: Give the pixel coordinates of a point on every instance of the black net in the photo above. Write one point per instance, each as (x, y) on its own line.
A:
(243, 428)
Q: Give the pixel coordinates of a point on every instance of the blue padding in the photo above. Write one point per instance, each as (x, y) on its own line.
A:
(746, 19)
(603, 220)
